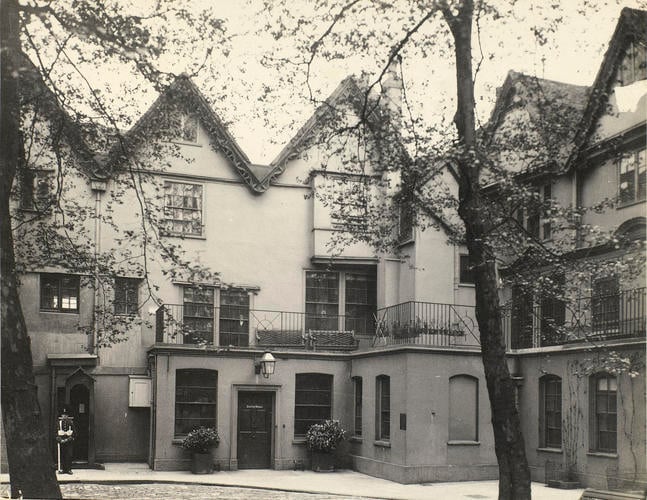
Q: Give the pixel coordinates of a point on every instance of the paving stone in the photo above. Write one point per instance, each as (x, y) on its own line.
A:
(154, 491)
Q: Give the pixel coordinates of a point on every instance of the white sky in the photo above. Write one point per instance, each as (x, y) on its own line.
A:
(236, 83)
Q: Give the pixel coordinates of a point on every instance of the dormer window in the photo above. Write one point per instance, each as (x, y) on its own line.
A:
(634, 65)
(184, 128)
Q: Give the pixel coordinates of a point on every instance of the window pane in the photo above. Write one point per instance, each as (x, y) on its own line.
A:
(183, 208)
(358, 406)
(466, 270)
(195, 399)
(627, 179)
(312, 400)
(383, 407)
(642, 174)
(234, 317)
(361, 298)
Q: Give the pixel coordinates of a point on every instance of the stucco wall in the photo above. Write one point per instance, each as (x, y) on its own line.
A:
(237, 371)
(592, 468)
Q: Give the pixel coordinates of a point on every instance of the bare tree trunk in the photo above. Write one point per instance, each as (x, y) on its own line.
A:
(514, 474)
(31, 468)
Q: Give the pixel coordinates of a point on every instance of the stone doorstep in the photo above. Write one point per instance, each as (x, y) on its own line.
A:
(563, 485)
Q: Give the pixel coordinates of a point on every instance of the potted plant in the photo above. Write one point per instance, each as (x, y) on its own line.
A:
(199, 442)
(322, 440)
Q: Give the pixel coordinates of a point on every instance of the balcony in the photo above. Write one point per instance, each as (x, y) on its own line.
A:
(427, 323)
(242, 327)
(599, 318)
(417, 323)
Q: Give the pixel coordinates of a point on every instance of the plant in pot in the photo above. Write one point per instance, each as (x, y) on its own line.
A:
(322, 440)
(199, 442)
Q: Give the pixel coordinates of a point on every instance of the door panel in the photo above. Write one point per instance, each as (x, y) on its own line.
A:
(80, 402)
(254, 430)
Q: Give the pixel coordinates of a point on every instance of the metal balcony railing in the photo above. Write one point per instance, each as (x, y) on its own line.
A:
(427, 323)
(242, 327)
(549, 322)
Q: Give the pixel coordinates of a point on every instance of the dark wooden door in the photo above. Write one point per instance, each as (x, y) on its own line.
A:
(254, 430)
(80, 403)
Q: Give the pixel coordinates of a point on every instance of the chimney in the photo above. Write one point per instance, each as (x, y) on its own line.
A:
(392, 91)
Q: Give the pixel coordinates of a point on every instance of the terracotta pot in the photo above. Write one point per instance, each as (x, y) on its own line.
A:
(202, 463)
(323, 461)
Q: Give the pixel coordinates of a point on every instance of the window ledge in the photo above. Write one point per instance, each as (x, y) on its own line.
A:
(467, 285)
(356, 439)
(184, 236)
(601, 454)
(382, 444)
(406, 242)
(59, 312)
(176, 441)
(629, 204)
(299, 441)
(184, 143)
(550, 450)
(459, 442)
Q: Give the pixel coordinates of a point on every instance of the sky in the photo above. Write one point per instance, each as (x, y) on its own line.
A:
(264, 105)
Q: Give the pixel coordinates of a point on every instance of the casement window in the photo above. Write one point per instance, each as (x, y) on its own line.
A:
(550, 411)
(341, 300)
(234, 318)
(36, 189)
(632, 177)
(183, 208)
(522, 308)
(198, 314)
(349, 205)
(357, 392)
(463, 408)
(59, 293)
(383, 408)
(466, 270)
(406, 222)
(536, 217)
(312, 400)
(184, 128)
(603, 413)
(196, 398)
(634, 64)
(605, 304)
(553, 313)
(126, 299)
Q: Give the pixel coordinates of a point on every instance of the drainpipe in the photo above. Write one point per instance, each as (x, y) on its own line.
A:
(98, 187)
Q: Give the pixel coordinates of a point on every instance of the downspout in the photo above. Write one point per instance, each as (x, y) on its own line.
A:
(98, 187)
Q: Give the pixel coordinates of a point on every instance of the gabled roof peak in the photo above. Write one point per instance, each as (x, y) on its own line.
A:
(183, 86)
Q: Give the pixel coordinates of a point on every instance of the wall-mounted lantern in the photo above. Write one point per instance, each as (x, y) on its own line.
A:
(265, 365)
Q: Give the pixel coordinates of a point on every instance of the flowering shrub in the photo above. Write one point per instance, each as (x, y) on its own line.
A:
(201, 440)
(324, 436)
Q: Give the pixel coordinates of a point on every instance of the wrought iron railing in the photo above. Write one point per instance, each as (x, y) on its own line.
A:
(427, 323)
(600, 317)
(243, 327)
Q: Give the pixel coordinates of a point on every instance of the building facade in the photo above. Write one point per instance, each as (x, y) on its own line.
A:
(238, 259)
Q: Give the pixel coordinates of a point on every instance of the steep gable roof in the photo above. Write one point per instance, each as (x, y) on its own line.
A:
(553, 111)
(34, 89)
(632, 24)
(347, 92)
(256, 177)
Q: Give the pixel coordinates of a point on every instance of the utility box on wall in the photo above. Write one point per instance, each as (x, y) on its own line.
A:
(139, 391)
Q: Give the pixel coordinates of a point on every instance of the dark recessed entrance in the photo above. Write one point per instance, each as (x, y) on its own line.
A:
(254, 430)
(80, 402)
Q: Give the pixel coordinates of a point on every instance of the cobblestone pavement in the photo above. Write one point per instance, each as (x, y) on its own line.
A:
(183, 492)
